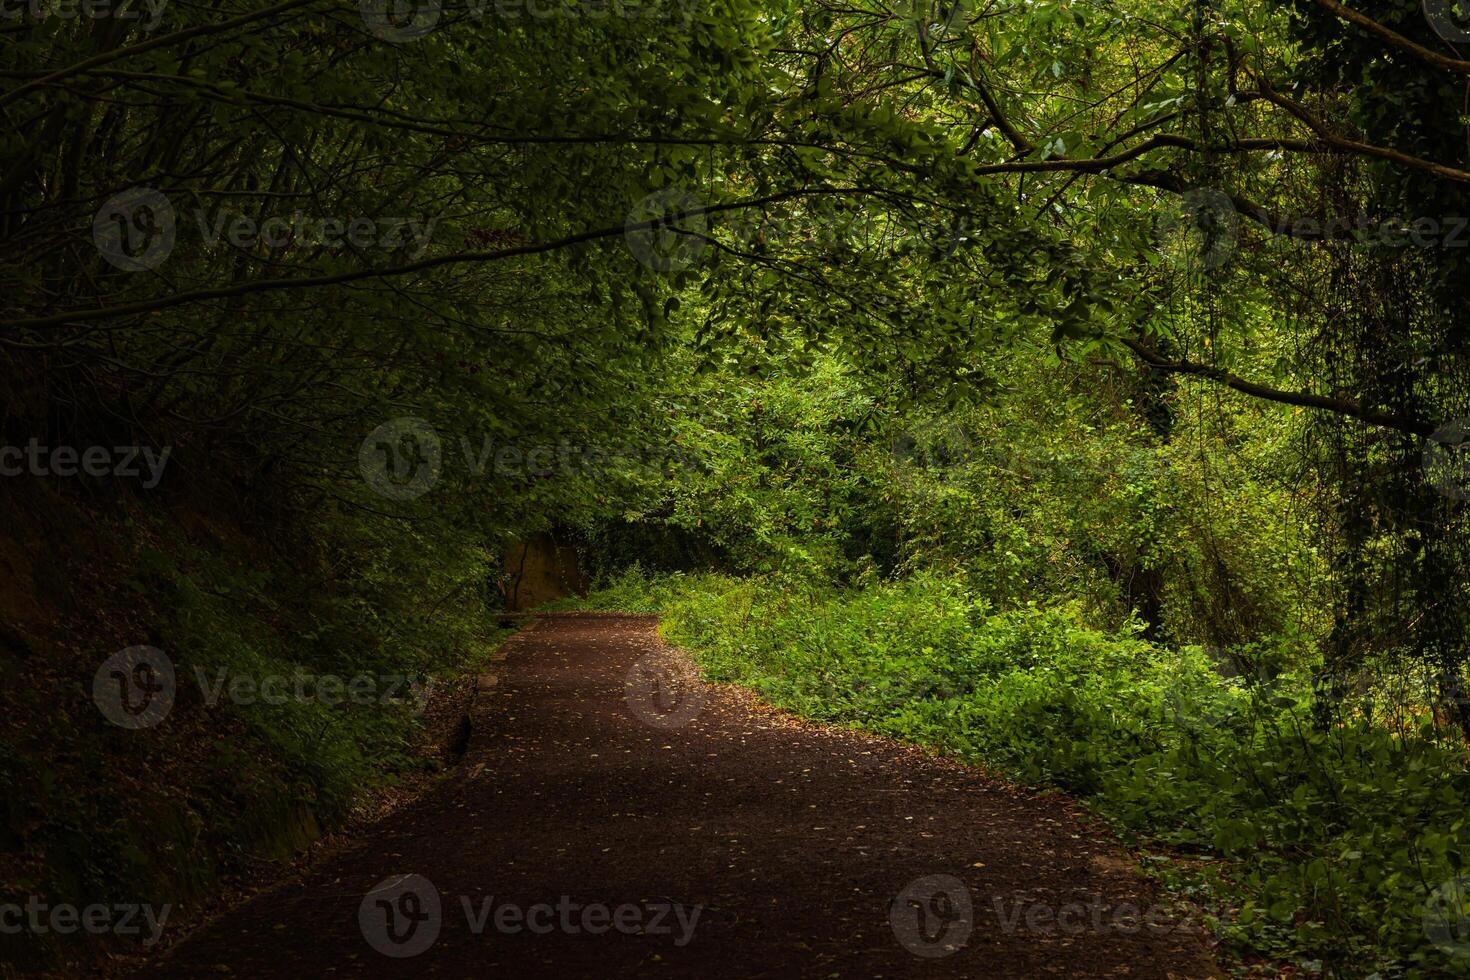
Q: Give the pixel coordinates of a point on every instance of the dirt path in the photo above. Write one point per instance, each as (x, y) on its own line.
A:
(608, 824)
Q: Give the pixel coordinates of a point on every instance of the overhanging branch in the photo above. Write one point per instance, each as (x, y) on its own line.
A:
(1394, 38)
(457, 258)
(1304, 399)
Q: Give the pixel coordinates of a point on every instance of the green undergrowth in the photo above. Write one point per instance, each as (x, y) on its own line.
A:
(1287, 827)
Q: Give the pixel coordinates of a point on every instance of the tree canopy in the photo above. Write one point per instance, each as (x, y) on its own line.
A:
(1155, 311)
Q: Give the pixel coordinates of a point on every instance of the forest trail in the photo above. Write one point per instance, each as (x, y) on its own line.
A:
(606, 822)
